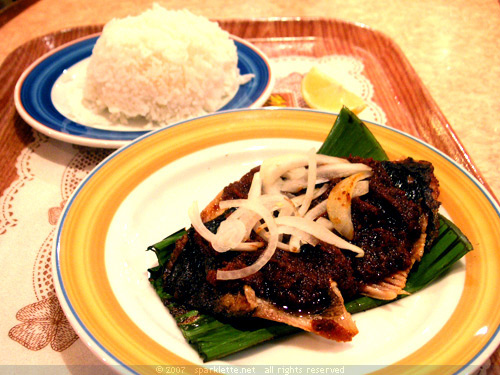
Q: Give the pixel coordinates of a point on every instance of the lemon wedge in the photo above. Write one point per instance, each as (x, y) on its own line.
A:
(321, 91)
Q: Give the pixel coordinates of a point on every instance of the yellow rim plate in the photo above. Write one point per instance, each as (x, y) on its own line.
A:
(466, 339)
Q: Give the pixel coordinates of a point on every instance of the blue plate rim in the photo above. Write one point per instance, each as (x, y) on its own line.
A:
(250, 58)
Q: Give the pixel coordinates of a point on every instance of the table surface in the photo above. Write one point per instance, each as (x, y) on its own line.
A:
(453, 47)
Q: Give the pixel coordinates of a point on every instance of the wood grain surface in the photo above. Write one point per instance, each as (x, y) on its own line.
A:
(399, 91)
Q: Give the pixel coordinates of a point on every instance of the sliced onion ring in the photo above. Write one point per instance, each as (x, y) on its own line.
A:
(230, 234)
(338, 204)
(273, 168)
(272, 209)
(311, 182)
(319, 231)
(194, 216)
(266, 254)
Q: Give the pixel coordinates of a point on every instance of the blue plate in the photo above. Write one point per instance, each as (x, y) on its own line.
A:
(34, 103)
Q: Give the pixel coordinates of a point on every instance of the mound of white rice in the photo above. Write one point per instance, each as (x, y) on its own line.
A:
(163, 65)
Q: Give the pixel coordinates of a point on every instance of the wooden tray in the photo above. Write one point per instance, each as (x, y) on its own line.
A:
(398, 89)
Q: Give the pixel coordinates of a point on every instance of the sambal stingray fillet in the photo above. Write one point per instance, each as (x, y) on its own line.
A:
(296, 236)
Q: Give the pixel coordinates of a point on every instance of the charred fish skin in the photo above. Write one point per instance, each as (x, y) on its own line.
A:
(388, 222)
(190, 277)
(185, 276)
(417, 180)
(290, 289)
(293, 282)
(191, 280)
(412, 226)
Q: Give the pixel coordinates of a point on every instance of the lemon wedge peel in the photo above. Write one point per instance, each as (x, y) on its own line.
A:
(321, 91)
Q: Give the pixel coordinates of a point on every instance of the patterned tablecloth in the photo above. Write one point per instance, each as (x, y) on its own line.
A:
(34, 330)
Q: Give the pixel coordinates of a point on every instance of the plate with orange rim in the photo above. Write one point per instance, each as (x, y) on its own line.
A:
(141, 193)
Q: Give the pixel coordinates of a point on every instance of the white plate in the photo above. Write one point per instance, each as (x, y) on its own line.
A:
(140, 220)
(141, 193)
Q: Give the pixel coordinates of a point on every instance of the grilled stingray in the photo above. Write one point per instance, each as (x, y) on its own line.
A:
(393, 222)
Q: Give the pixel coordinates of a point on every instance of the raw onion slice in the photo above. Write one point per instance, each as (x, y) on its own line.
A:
(273, 168)
(341, 170)
(296, 240)
(295, 186)
(327, 159)
(266, 254)
(194, 216)
(271, 202)
(311, 182)
(261, 231)
(249, 246)
(247, 217)
(270, 211)
(294, 232)
(319, 231)
(230, 234)
(361, 188)
(295, 243)
(321, 159)
(295, 174)
(323, 174)
(327, 170)
(325, 222)
(316, 211)
(298, 237)
(256, 187)
(338, 205)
